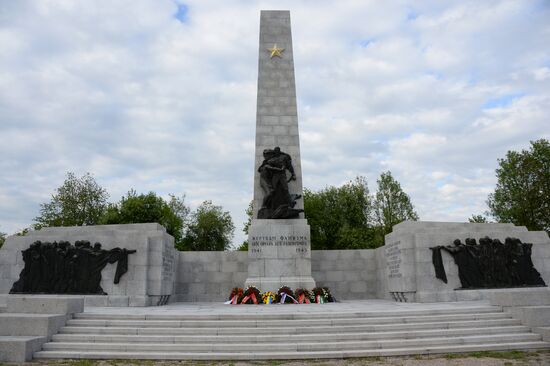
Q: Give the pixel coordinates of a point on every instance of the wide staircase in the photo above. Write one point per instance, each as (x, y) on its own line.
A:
(319, 333)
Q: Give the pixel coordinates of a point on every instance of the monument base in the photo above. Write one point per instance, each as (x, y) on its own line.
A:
(279, 254)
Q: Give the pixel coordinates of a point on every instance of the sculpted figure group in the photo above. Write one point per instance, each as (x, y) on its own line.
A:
(62, 268)
(490, 264)
(278, 202)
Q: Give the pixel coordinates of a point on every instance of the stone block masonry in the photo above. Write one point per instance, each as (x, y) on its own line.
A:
(279, 254)
(31, 320)
(151, 270)
(154, 271)
(349, 274)
(209, 276)
(403, 266)
(408, 260)
(276, 113)
(45, 304)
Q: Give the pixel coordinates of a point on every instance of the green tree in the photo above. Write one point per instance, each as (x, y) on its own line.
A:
(522, 193)
(25, 231)
(249, 211)
(243, 247)
(142, 208)
(339, 216)
(2, 238)
(478, 219)
(79, 201)
(391, 206)
(210, 228)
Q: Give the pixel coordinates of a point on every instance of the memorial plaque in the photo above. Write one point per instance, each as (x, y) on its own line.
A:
(393, 259)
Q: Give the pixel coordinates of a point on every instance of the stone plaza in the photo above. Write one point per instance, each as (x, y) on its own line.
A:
(169, 304)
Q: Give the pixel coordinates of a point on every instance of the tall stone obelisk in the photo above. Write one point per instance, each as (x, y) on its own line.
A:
(279, 248)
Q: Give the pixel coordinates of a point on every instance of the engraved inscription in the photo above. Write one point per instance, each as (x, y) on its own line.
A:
(393, 259)
(301, 242)
(168, 263)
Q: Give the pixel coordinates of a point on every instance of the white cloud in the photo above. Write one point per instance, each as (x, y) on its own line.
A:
(130, 93)
(541, 73)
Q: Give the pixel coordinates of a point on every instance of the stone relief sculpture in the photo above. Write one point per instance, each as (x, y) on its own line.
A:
(278, 202)
(61, 268)
(489, 264)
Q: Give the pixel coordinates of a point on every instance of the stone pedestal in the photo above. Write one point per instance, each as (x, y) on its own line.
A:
(279, 254)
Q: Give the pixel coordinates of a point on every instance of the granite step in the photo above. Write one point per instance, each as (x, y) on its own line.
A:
(240, 338)
(298, 347)
(254, 355)
(20, 348)
(314, 314)
(276, 333)
(293, 330)
(278, 323)
(544, 332)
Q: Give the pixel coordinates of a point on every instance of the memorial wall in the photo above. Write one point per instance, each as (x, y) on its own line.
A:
(410, 268)
(403, 269)
(151, 269)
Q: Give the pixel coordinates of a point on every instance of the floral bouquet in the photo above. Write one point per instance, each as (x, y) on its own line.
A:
(252, 296)
(269, 297)
(328, 295)
(322, 295)
(302, 295)
(285, 296)
(235, 296)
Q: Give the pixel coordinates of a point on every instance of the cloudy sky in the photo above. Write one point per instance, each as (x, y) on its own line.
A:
(160, 96)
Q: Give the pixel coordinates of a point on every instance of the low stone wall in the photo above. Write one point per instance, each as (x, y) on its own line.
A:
(409, 267)
(349, 274)
(382, 289)
(209, 276)
(151, 270)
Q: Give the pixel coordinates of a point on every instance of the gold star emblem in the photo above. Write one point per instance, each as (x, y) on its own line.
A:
(275, 51)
